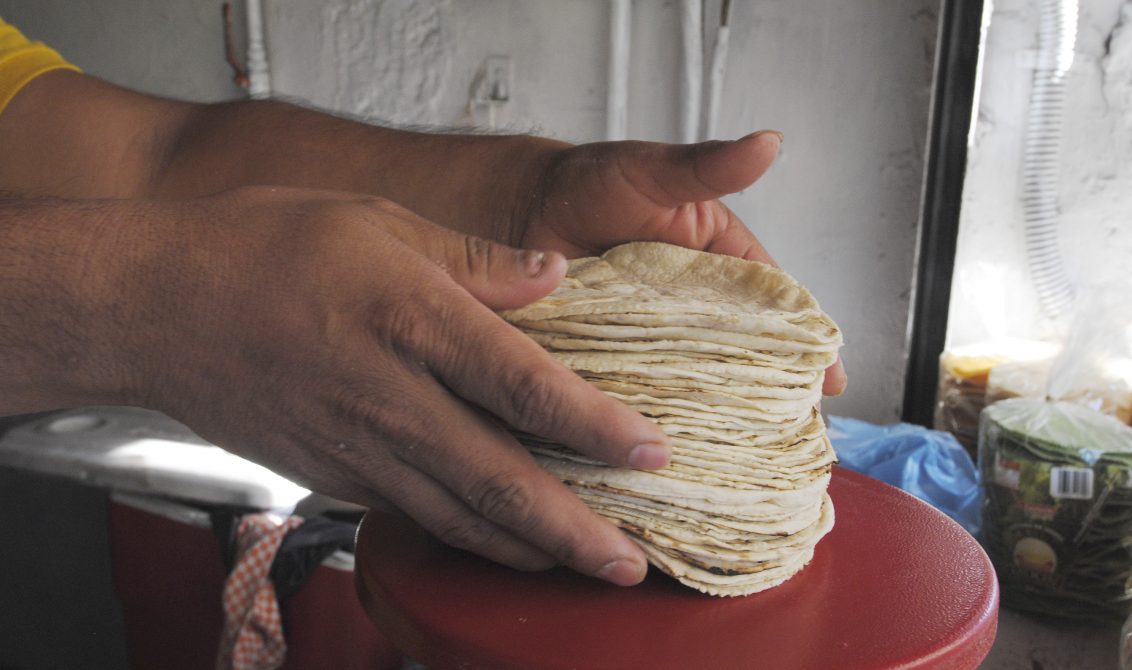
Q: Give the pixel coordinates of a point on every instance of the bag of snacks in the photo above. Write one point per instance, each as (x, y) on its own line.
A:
(1057, 521)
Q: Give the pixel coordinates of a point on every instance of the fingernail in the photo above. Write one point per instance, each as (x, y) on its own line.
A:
(622, 572)
(835, 379)
(781, 137)
(532, 262)
(649, 456)
(839, 386)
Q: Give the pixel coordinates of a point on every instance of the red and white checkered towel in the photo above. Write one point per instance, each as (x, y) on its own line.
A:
(253, 631)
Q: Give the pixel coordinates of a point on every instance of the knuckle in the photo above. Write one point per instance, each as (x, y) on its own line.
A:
(505, 499)
(383, 205)
(357, 407)
(537, 403)
(478, 255)
(407, 327)
(565, 550)
(352, 403)
(424, 327)
(468, 533)
(387, 425)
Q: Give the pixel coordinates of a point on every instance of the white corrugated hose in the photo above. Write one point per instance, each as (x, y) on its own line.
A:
(1057, 37)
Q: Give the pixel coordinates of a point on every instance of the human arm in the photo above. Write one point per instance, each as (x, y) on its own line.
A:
(522, 190)
(223, 306)
(72, 135)
(337, 338)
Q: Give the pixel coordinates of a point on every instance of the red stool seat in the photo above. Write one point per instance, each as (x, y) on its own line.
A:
(896, 584)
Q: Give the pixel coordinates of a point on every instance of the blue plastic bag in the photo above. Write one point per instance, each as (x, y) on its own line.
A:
(928, 464)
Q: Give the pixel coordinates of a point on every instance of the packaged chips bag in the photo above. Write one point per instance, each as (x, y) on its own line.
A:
(1057, 521)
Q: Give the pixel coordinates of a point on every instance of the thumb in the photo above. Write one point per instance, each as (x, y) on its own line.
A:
(499, 276)
(704, 171)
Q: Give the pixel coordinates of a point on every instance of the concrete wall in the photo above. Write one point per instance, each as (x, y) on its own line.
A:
(848, 81)
(993, 295)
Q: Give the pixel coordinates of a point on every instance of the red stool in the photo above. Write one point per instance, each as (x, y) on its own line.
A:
(896, 584)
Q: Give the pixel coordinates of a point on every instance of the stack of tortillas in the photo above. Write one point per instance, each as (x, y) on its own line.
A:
(728, 356)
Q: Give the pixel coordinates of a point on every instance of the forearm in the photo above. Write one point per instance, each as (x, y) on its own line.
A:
(67, 135)
(472, 183)
(70, 135)
(59, 306)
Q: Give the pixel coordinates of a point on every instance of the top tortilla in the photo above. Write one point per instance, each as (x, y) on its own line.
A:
(655, 285)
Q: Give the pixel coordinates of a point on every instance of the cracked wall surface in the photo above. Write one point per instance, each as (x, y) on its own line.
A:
(390, 58)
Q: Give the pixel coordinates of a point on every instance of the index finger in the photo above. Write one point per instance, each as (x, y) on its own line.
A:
(505, 372)
(487, 470)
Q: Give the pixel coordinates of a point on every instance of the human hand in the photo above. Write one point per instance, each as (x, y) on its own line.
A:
(592, 197)
(350, 345)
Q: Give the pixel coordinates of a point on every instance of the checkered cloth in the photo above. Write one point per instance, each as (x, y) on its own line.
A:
(253, 631)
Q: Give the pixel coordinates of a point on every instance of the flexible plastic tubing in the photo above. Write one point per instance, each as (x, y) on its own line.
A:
(259, 69)
(617, 102)
(716, 69)
(1057, 35)
(691, 72)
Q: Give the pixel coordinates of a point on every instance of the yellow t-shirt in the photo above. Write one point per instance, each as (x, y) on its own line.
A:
(22, 60)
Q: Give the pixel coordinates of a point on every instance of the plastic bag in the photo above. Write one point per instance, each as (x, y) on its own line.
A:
(1095, 369)
(971, 377)
(1018, 379)
(1057, 523)
(928, 464)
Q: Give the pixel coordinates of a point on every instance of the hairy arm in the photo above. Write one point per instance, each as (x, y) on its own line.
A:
(337, 337)
(58, 300)
(72, 135)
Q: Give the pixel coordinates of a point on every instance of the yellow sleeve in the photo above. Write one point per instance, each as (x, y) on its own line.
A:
(22, 60)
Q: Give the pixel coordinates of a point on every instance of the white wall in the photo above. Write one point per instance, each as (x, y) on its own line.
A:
(993, 296)
(847, 81)
(172, 48)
